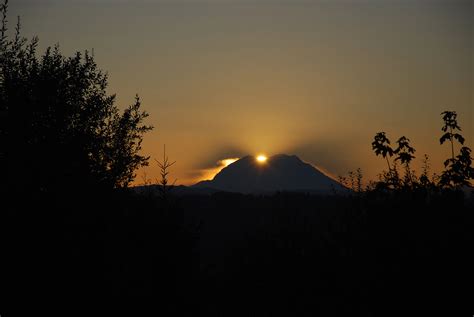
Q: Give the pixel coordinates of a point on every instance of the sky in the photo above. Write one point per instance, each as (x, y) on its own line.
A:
(223, 79)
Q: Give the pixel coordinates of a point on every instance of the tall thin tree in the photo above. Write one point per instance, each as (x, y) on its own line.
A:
(451, 124)
(164, 186)
(458, 170)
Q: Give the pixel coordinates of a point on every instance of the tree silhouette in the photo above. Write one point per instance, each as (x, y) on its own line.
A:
(164, 166)
(425, 170)
(451, 124)
(405, 153)
(458, 171)
(60, 124)
(381, 146)
(359, 180)
(352, 180)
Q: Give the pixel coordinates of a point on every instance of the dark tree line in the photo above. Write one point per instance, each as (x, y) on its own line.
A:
(59, 126)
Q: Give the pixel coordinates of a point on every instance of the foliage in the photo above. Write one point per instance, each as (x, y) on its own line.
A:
(404, 151)
(424, 177)
(458, 170)
(451, 124)
(353, 181)
(381, 146)
(61, 125)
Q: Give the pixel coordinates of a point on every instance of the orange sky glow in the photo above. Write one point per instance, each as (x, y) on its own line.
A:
(316, 79)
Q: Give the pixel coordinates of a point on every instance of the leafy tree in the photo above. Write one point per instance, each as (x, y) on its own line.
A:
(451, 124)
(405, 153)
(60, 125)
(458, 170)
(381, 146)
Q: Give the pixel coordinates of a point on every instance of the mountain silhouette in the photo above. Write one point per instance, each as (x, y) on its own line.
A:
(278, 173)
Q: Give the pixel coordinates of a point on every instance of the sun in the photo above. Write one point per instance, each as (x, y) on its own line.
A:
(261, 158)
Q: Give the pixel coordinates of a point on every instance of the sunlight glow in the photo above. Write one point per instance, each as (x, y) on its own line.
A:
(261, 158)
(211, 172)
(227, 162)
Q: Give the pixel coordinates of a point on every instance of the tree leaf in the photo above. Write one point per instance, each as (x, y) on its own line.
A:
(445, 137)
(459, 137)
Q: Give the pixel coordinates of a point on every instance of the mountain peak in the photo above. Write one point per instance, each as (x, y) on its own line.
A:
(279, 172)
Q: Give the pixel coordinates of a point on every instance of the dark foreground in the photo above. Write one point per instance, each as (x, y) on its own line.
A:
(235, 255)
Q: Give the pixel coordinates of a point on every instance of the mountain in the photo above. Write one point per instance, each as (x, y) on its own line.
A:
(278, 173)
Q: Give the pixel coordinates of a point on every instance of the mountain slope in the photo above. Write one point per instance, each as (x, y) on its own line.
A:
(279, 173)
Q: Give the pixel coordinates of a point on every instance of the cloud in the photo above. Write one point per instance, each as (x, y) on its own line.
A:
(212, 163)
(208, 173)
(212, 158)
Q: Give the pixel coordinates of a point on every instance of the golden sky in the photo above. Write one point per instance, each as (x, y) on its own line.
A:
(226, 78)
